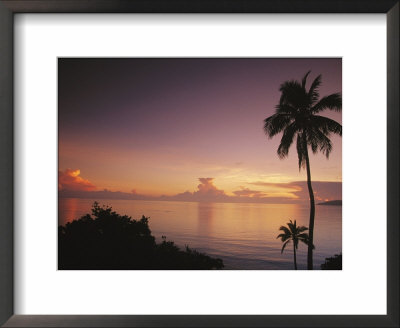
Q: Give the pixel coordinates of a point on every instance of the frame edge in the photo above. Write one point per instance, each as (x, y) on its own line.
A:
(393, 147)
(6, 199)
(6, 164)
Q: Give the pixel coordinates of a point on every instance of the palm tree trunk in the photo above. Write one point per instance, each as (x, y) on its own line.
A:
(294, 252)
(312, 213)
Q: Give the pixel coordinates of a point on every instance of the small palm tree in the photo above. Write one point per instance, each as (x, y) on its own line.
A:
(295, 234)
(297, 117)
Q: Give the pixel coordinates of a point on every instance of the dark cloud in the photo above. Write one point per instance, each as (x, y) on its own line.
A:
(102, 194)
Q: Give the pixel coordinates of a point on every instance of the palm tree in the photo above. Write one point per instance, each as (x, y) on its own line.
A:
(297, 117)
(295, 234)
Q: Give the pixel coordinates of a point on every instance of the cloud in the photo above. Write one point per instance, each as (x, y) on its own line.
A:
(102, 194)
(206, 192)
(323, 190)
(70, 180)
(246, 192)
(207, 187)
(74, 186)
(283, 185)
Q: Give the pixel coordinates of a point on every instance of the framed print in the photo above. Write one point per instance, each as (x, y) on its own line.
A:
(199, 211)
(165, 166)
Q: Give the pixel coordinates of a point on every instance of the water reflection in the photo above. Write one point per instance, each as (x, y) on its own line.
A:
(68, 210)
(243, 235)
(205, 216)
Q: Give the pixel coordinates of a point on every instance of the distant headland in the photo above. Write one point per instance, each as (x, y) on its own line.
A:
(332, 202)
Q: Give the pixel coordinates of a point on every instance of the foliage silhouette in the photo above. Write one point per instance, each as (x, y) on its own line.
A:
(333, 263)
(109, 241)
(297, 117)
(295, 234)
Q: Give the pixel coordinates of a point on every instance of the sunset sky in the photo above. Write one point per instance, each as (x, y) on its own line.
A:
(186, 129)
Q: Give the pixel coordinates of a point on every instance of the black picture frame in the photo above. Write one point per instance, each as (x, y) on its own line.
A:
(10, 7)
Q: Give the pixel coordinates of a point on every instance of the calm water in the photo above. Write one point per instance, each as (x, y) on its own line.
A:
(243, 235)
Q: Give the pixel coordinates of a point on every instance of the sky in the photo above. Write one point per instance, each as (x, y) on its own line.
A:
(188, 129)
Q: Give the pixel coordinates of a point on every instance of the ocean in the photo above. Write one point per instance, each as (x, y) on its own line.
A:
(243, 235)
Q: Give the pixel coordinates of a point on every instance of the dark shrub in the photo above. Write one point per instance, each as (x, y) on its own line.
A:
(109, 241)
(333, 263)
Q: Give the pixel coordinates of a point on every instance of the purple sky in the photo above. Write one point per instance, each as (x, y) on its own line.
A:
(156, 126)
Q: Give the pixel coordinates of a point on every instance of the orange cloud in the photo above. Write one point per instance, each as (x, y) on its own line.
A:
(206, 186)
(70, 180)
(323, 190)
(206, 192)
(246, 192)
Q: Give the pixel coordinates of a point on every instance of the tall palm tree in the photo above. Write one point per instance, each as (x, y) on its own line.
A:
(297, 117)
(295, 234)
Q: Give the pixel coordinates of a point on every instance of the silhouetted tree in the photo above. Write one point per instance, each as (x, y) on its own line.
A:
(295, 234)
(297, 117)
(333, 263)
(106, 240)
